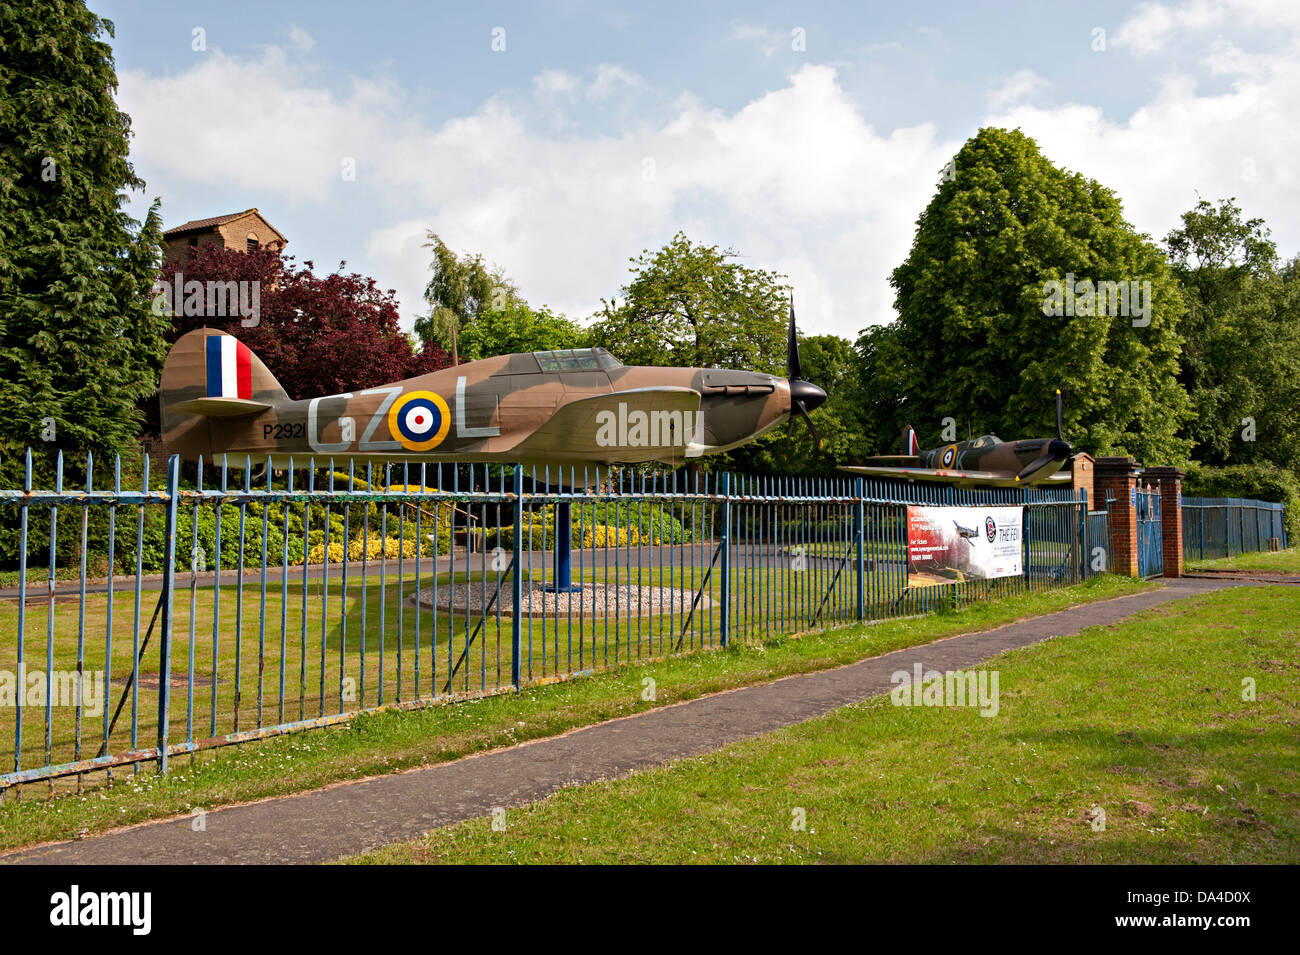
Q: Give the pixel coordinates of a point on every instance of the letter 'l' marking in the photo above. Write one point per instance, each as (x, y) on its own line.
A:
(491, 431)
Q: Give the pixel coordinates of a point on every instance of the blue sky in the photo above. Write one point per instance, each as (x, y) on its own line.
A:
(602, 129)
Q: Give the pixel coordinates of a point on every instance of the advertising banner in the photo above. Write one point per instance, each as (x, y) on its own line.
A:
(946, 545)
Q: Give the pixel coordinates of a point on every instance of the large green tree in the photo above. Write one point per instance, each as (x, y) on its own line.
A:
(461, 288)
(690, 304)
(986, 332)
(879, 388)
(79, 343)
(517, 327)
(481, 311)
(828, 361)
(1241, 360)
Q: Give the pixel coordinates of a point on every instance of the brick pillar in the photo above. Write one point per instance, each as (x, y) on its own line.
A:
(1082, 472)
(1170, 482)
(1116, 477)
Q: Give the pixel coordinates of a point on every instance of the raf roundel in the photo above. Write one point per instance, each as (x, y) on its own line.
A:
(419, 420)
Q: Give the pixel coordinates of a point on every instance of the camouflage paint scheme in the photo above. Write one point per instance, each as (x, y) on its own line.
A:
(986, 461)
(503, 409)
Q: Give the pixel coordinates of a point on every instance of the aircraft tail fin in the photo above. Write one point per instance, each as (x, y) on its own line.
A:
(211, 373)
(911, 447)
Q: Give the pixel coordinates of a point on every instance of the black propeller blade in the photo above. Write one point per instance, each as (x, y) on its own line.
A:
(1034, 465)
(804, 395)
(792, 368)
(1060, 426)
(817, 435)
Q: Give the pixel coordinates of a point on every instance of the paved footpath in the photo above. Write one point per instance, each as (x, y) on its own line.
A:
(347, 818)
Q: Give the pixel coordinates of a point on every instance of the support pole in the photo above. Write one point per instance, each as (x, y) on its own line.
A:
(724, 622)
(517, 583)
(860, 533)
(563, 576)
(169, 587)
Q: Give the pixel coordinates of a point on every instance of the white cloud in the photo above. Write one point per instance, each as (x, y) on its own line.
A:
(612, 79)
(1018, 86)
(767, 41)
(1240, 142)
(1146, 30)
(1153, 25)
(302, 40)
(550, 84)
(796, 180)
(252, 123)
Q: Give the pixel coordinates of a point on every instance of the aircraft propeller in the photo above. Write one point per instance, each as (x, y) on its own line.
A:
(1057, 450)
(804, 395)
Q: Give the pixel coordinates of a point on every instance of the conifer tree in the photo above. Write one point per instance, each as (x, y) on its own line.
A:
(79, 343)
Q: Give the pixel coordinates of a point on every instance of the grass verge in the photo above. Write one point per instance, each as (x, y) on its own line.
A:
(1282, 561)
(392, 741)
(1122, 744)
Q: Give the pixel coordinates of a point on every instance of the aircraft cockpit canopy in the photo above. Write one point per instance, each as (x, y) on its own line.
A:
(985, 441)
(577, 359)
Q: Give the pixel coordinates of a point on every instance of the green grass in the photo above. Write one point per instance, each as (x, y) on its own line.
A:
(1144, 720)
(387, 651)
(390, 741)
(307, 640)
(1282, 561)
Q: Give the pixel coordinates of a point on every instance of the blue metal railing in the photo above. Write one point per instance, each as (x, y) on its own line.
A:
(1099, 541)
(1226, 526)
(228, 604)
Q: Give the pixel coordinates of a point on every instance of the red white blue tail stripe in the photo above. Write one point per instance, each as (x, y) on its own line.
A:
(230, 368)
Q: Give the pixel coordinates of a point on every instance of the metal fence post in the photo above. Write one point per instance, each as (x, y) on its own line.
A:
(1082, 536)
(724, 622)
(860, 519)
(517, 583)
(1202, 511)
(169, 582)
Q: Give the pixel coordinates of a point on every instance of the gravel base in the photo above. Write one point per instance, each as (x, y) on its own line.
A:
(627, 601)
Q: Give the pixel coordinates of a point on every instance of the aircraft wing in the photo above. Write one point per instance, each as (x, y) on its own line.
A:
(218, 407)
(958, 478)
(606, 427)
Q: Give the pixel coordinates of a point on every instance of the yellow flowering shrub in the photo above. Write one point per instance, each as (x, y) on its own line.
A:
(374, 547)
(602, 535)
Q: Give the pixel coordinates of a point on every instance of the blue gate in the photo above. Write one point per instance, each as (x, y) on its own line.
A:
(1150, 539)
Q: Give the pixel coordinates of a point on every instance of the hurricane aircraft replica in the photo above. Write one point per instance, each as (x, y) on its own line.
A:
(557, 411)
(562, 409)
(986, 461)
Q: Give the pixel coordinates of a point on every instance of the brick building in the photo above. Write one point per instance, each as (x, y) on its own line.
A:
(246, 231)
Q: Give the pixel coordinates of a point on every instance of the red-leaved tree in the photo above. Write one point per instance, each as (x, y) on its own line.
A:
(317, 334)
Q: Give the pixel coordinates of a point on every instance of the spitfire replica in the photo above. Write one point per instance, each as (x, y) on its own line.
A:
(554, 410)
(986, 461)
